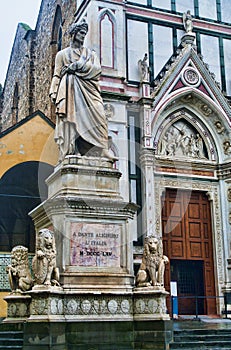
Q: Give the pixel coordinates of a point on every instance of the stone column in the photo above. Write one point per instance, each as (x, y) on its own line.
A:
(147, 166)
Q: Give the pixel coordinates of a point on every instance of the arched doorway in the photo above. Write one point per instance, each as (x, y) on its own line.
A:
(187, 238)
(22, 188)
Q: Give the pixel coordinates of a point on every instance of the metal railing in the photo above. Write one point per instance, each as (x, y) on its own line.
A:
(198, 305)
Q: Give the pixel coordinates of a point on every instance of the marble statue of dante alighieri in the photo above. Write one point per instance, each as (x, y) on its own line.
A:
(81, 123)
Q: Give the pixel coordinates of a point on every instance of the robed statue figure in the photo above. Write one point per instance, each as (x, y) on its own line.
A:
(81, 124)
(187, 21)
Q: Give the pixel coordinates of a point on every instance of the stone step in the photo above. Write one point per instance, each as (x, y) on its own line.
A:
(201, 337)
(5, 347)
(11, 327)
(201, 331)
(11, 334)
(211, 345)
(203, 347)
(11, 341)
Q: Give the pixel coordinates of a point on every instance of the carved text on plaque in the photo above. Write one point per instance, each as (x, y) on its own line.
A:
(94, 244)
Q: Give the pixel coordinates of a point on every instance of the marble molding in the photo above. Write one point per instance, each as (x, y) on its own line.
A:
(53, 305)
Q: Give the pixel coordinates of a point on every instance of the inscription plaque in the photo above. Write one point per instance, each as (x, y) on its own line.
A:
(94, 244)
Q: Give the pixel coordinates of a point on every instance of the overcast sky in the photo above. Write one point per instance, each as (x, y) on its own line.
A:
(13, 12)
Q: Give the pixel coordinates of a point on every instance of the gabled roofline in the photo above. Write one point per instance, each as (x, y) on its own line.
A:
(25, 120)
(175, 64)
(167, 66)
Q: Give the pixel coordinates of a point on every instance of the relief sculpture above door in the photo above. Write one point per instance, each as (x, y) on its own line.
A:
(183, 140)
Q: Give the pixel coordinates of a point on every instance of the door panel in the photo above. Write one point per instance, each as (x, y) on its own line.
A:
(190, 284)
(187, 236)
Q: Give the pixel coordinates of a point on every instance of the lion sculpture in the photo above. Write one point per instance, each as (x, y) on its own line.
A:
(44, 262)
(151, 272)
(19, 272)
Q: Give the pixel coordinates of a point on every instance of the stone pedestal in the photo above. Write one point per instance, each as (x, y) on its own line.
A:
(18, 307)
(47, 304)
(188, 39)
(93, 242)
(90, 221)
(55, 305)
(150, 304)
(145, 89)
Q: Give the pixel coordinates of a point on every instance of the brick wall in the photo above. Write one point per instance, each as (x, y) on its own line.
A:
(30, 64)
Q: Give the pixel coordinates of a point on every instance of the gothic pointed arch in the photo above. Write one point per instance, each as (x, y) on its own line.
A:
(107, 31)
(57, 29)
(200, 115)
(183, 135)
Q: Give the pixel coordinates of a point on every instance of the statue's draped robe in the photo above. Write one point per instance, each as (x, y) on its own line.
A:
(79, 106)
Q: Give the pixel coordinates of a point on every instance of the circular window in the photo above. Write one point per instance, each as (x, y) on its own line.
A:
(191, 77)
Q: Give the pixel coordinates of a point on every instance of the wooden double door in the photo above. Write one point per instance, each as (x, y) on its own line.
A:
(187, 239)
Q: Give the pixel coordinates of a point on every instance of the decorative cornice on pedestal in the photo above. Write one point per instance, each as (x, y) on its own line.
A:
(86, 161)
(41, 288)
(90, 171)
(150, 290)
(40, 216)
(85, 165)
(106, 208)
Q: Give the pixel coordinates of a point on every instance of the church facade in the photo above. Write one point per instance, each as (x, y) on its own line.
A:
(166, 87)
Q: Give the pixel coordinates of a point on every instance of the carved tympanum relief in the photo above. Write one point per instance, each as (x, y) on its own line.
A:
(183, 140)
